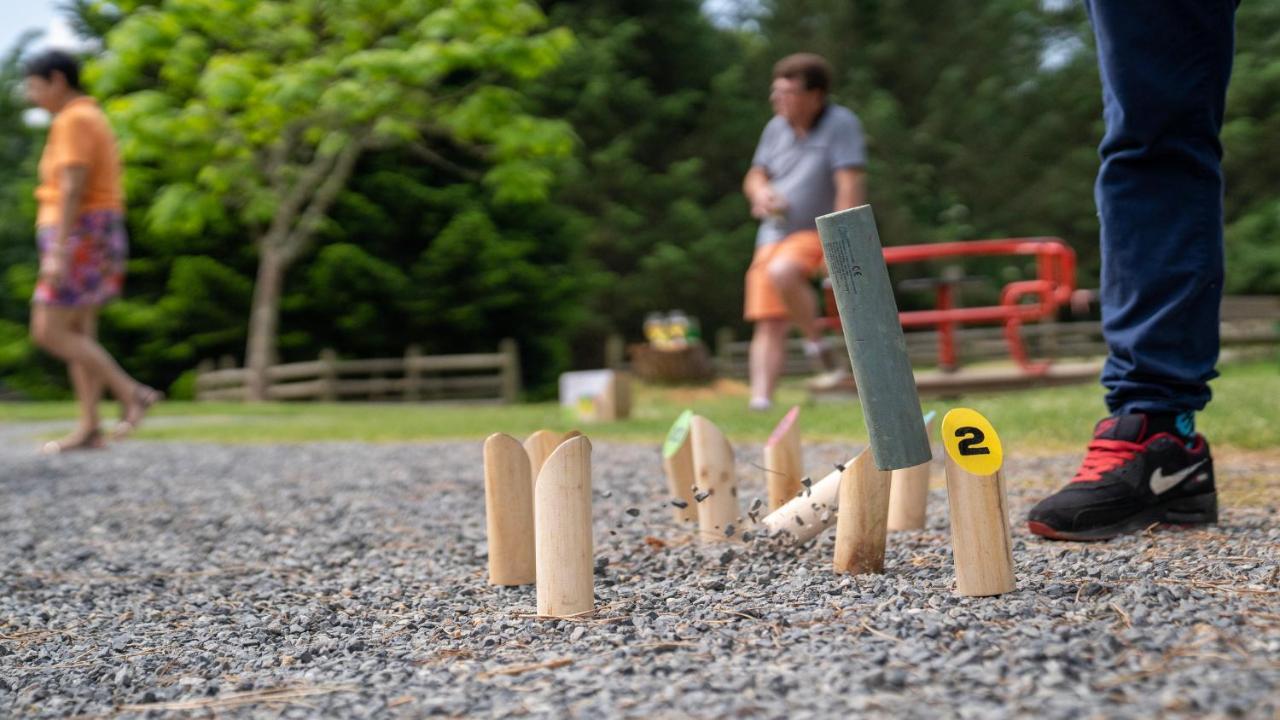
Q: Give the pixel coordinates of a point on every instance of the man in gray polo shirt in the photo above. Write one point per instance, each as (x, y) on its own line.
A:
(810, 162)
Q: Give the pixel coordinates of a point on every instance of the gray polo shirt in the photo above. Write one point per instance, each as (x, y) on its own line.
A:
(802, 169)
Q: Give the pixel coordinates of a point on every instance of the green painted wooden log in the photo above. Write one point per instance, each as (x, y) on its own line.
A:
(873, 334)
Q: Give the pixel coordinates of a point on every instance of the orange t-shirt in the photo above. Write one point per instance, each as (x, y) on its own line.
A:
(79, 135)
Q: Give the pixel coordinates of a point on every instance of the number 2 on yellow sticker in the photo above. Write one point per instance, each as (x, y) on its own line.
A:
(971, 442)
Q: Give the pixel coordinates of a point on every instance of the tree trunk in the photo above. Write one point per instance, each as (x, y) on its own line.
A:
(264, 319)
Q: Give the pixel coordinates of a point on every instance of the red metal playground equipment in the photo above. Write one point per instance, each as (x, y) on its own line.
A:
(1051, 289)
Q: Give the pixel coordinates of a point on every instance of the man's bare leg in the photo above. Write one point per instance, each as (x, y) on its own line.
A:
(792, 283)
(767, 353)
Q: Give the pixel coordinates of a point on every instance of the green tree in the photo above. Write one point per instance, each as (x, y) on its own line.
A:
(1252, 169)
(22, 368)
(255, 114)
(668, 113)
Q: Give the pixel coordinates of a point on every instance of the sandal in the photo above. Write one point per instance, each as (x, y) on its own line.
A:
(91, 440)
(143, 398)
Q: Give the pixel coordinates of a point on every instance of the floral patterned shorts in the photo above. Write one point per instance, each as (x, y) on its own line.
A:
(96, 254)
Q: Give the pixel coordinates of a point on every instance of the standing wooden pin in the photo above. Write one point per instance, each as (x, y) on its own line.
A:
(979, 513)
(873, 336)
(539, 446)
(562, 510)
(508, 505)
(810, 512)
(715, 486)
(909, 491)
(861, 527)
(677, 463)
(783, 466)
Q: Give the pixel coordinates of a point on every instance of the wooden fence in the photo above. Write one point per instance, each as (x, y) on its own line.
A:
(478, 377)
(1246, 320)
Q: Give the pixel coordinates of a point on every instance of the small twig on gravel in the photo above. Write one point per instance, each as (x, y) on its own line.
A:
(443, 655)
(23, 637)
(273, 696)
(1215, 586)
(562, 662)
(1124, 616)
(739, 613)
(867, 626)
(90, 663)
(518, 669)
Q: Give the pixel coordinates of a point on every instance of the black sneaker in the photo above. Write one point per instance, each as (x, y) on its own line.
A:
(1128, 481)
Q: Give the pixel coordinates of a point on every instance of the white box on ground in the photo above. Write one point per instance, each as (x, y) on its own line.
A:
(596, 395)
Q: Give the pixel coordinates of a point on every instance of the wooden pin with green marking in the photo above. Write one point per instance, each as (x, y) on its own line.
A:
(909, 492)
(677, 463)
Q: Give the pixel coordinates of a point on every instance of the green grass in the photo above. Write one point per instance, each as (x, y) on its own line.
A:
(1244, 415)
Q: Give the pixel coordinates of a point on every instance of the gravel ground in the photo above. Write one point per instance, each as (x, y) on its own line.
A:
(349, 580)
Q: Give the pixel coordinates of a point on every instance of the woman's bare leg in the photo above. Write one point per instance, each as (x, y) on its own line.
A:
(87, 384)
(53, 329)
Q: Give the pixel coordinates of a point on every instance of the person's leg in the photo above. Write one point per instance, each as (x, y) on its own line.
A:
(88, 385)
(790, 272)
(1165, 65)
(52, 329)
(766, 356)
(764, 307)
(791, 278)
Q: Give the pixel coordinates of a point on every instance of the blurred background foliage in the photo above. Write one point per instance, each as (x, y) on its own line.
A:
(982, 121)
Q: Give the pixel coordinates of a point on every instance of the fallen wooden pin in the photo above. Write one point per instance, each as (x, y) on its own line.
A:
(562, 525)
(810, 512)
(677, 464)
(508, 504)
(979, 512)
(861, 517)
(783, 464)
(715, 484)
(909, 492)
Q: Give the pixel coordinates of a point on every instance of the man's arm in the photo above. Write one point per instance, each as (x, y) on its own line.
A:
(764, 201)
(851, 188)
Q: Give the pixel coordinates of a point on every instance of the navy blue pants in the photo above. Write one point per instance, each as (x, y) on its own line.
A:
(1165, 65)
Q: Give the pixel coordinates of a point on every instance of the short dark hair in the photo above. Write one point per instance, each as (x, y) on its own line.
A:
(813, 70)
(47, 63)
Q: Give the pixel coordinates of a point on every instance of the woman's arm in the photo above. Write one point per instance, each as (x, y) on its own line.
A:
(72, 184)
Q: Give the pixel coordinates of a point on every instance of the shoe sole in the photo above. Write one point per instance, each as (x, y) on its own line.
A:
(1193, 510)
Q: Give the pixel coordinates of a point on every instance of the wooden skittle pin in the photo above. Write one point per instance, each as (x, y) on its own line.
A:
(508, 504)
(564, 547)
(539, 446)
(909, 491)
(976, 496)
(811, 511)
(677, 463)
(715, 485)
(861, 522)
(783, 466)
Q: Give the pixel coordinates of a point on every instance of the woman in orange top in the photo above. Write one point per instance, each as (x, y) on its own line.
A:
(81, 236)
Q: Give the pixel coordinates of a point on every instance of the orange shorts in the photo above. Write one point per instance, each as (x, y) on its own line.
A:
(764, 302)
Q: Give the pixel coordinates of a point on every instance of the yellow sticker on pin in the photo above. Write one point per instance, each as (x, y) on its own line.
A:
(971, 442)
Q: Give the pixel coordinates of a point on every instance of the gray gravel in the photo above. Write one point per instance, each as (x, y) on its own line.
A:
(349, 580)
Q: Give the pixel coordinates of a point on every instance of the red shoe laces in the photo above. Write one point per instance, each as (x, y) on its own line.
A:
(1105, 455)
